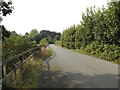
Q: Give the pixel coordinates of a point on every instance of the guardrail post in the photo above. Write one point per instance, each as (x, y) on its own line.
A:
(21, 59)
(15, 74)
(4, 73)
(29, 53)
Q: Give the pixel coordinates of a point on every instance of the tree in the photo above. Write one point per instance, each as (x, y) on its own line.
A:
(51, 37)
(43, 42)
(33, 33)
(5, 33)
(68, 37)
(98, 32)
(26, 34)
(5, 8)
(13, 33)
(37, 38)
(16, 44)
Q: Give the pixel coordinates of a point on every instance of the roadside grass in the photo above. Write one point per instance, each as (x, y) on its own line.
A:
(32, 72)
(82, 51)
(49, 52)
(28, 74)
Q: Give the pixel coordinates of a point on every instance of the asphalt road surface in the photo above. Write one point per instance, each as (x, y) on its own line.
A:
(80, 71)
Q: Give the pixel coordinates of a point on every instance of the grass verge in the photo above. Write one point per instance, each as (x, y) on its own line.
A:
(82, 51)
(116, 61)
(32, 72)
(49, 53)
(28, 75)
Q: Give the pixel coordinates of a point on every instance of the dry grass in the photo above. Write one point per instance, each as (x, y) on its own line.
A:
(27, 76)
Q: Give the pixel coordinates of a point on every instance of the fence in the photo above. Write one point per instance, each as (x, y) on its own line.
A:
(13, 63)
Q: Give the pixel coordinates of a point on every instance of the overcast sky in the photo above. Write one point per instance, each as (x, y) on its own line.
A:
(54, 15)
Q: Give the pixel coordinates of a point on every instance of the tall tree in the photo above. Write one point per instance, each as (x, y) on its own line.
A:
(98, 32)
(33, 33)
(5, 8)
(5, 33)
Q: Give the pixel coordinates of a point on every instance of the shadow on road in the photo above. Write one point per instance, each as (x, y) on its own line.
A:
(52, 79)
(57, 79)
(48, 60)
(93, 81)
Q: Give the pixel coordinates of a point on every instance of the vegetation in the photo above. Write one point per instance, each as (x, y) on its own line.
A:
(58, 42)
(51, 37)
(15, 44)
(43, 42)
(27, 76)
(49, 53)
(31, 74)
(5, 33)
(5, 8)
(98, 34)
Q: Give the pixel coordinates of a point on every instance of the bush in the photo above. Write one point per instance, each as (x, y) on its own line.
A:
(43, 42)
(98, 33)
(15, 44)
(108, 52)
(59, 43)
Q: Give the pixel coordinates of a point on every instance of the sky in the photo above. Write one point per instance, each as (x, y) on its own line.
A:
(53, 15)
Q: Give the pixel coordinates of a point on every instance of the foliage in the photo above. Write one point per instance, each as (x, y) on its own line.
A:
(48, 54)
(59, 43)
(98, 34)
(5, 8)
(26, 76)
(13, 33)
(5, 33)
(51, 37)
(33, 33)
(68, 37)
(31, 74)
(16, 44)
(43, 42)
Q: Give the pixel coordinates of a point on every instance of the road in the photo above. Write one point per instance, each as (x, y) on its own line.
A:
(80, 71)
